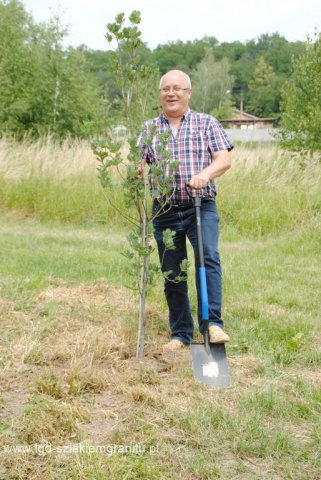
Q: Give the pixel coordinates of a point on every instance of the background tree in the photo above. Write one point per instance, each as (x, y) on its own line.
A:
(16, 28)
(301, 101)
(263, 91)
(180, 55)
(63, 92)
(44, 88)
(278, 52)
(80, 112)
(211, 83)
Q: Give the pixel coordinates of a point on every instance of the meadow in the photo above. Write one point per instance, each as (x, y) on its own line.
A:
(74, 402)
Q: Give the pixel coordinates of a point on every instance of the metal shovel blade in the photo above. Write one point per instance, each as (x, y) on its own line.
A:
(210, 367)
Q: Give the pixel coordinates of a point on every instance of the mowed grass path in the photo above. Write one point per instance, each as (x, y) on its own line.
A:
(68, 333)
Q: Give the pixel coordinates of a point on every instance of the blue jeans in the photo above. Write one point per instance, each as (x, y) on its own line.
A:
(183, 222)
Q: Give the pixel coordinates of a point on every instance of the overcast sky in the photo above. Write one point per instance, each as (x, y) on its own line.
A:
(171, 20)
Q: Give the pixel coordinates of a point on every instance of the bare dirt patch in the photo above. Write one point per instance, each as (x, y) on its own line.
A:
(98, 294)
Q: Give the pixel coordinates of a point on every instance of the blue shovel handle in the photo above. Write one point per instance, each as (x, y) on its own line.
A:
(197, 201)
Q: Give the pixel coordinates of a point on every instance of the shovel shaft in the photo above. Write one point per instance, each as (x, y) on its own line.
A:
(197, 201)
(201, 269)
(197, 204)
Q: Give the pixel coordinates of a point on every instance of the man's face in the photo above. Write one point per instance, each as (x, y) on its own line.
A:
(175, 94)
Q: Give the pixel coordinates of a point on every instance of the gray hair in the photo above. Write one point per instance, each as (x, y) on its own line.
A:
(189, 83)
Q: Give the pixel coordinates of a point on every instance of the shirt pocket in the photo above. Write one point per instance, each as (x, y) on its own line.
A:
(198, 144)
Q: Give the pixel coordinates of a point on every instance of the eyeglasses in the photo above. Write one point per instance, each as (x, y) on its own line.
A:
(175, 89)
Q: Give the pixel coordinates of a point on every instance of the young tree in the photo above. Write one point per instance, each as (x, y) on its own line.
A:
(138, 94)
(211, 83)
(136, 81)
(301, 101)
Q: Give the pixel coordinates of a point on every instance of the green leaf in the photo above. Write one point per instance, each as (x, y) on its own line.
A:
(128, 254)
(120, 17)
(135, 17)
(168, 239)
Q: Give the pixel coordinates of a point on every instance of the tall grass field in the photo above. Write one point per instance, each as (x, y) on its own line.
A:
(74, 402)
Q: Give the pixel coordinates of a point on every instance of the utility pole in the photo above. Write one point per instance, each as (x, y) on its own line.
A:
(241, 102)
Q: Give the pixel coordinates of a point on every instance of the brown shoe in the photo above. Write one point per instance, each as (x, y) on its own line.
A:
(173, 345)
(217, 335)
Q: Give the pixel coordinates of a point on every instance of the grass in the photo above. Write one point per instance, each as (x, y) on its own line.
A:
(54, 182)
(69, 380)
(265, 193)
(67, 362)
(268, 192)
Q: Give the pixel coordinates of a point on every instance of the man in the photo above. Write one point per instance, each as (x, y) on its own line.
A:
(200, 145)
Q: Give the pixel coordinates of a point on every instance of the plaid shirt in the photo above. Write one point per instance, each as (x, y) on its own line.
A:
(198, 137)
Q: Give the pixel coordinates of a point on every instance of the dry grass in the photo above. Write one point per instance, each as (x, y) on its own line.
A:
(266, 192)
(46, 157)
(55, 182)
(89, 388)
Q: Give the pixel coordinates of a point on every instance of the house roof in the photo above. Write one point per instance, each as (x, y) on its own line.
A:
(243, 115)
(239, 117)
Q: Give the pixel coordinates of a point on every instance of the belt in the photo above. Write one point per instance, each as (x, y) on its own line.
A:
(180, 206)
(184, 206)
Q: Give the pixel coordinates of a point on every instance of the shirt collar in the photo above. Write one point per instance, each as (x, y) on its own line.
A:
(164, 119)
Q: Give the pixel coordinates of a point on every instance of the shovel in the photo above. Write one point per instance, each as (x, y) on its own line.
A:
(209, 359)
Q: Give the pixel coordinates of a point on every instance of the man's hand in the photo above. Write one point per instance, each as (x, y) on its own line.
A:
(198, 181)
